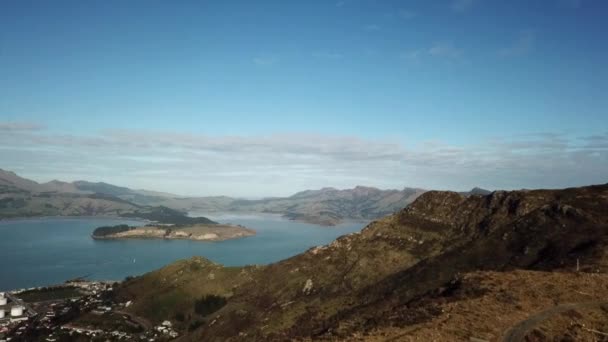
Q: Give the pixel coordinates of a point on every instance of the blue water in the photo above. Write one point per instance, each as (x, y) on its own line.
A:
(38, 252)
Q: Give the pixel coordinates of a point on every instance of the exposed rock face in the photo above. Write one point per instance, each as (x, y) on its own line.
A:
(307, 287)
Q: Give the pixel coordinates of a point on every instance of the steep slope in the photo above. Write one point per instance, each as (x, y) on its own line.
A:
(10, 182)
(102, 188)
(119, 191)
(364, 282)
(25, 204)
(20, 197)
(62, 187)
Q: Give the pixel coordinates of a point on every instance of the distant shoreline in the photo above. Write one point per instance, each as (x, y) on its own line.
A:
(105, 217)
(223, 216)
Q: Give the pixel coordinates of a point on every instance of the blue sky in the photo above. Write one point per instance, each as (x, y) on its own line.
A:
(253, 98)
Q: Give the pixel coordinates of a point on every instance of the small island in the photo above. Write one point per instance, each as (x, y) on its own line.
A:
(171, 224)
(198, 232)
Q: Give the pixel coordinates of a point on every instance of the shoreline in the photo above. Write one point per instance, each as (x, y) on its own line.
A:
(224, 216)
(105, 217)
(166, 238)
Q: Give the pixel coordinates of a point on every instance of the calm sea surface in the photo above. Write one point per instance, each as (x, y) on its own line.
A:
(37, 252)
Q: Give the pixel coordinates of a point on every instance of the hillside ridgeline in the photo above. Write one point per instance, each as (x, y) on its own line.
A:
(398, 274)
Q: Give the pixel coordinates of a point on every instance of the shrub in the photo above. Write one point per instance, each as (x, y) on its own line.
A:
(195, 325)
(209, 304)
(107, 230)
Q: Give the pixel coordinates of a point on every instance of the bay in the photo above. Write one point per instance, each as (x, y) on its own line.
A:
(46, 251)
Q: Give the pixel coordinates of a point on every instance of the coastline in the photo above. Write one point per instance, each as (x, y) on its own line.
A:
(103, 217)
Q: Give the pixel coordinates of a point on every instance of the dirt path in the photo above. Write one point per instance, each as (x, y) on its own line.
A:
(147, 325)
(519, 331)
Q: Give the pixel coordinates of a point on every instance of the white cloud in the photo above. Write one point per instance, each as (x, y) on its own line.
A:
(285, 163)
(20, 126)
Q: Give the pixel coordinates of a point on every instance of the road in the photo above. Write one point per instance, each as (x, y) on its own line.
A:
(147, 325)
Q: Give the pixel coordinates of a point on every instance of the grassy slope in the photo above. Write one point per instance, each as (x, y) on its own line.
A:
(400, 258)
(164, 293)
(34, 205)
(485, 305)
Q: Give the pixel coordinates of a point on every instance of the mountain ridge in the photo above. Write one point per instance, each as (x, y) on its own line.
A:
(367, 283)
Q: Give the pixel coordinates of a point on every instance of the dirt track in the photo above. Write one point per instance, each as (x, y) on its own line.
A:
(519, 331)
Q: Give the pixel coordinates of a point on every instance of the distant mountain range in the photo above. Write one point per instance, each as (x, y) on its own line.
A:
(328, 206)
(20, 197)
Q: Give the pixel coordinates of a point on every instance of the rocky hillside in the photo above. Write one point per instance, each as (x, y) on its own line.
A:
(371, 283)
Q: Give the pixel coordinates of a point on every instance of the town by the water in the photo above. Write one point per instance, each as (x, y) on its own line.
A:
(73, 311)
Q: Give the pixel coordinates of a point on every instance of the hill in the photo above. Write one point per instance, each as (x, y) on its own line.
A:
(326, 206)
(330, 206)
(398, 275)
(20, 197)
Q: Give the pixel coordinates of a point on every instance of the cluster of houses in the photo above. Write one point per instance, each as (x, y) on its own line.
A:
(48, 322)
(166, 328)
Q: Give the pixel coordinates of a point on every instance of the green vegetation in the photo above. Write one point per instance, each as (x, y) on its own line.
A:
(102, 188)
(171, 292)
(209, 304)
(108, 322)
(168, 216)
(49, 293)
(109, 230)
(7, 203)
(195, 325)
